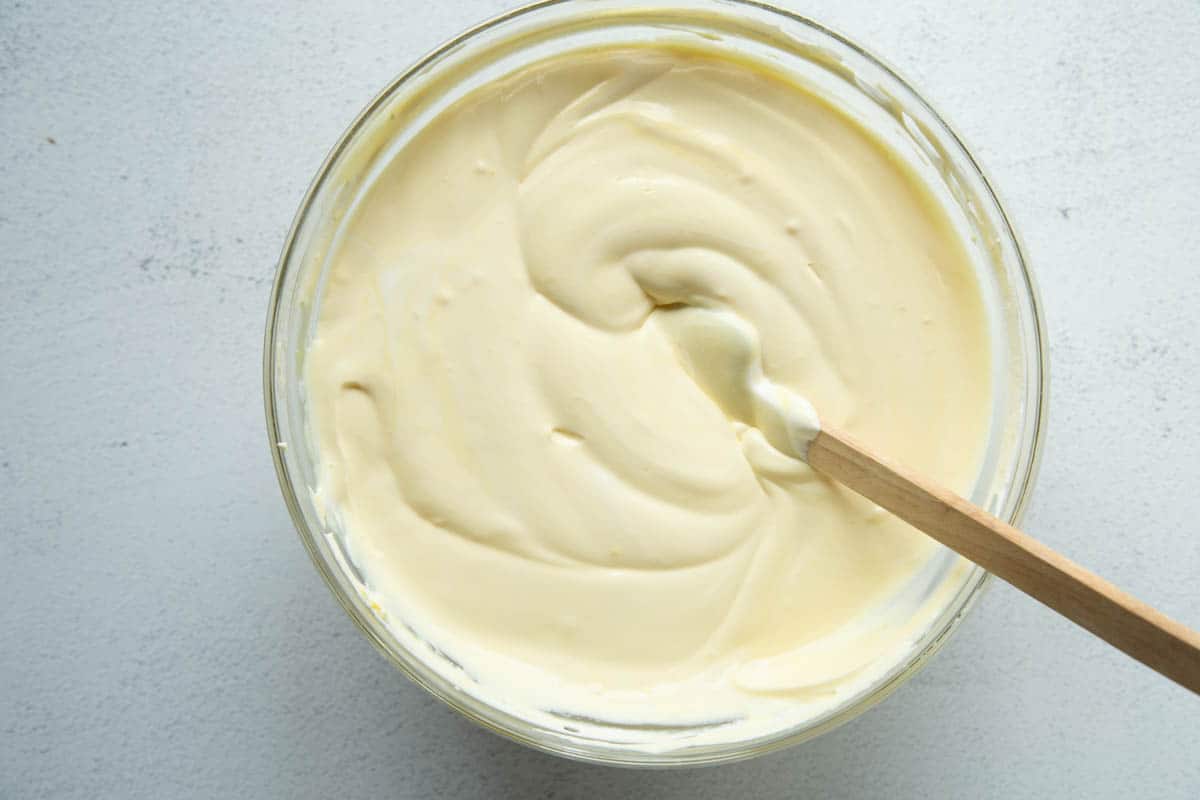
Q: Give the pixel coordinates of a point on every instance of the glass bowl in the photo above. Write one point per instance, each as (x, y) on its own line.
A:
(825, 62)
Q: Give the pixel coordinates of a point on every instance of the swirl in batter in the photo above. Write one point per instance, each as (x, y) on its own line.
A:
(548, 459)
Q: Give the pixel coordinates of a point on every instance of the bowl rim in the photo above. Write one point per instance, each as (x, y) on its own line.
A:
(500, 722)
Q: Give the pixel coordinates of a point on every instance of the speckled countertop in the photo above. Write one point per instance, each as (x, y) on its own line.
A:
(162, 633)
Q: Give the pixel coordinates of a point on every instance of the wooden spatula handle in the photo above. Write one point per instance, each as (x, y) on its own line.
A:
(1121, 620)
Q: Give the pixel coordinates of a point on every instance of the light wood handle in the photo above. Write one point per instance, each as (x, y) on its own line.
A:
(1121, 620)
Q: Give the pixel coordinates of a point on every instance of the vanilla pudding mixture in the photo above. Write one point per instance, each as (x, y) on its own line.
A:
(558, 380)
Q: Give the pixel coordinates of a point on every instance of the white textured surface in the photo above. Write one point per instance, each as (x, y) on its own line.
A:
(161, 630)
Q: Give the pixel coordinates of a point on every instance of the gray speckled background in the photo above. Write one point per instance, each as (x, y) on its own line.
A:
(162, 632)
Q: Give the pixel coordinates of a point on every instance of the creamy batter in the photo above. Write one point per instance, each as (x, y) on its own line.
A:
(559, 385)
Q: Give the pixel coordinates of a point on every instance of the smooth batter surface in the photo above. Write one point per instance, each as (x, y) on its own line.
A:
(525, 427)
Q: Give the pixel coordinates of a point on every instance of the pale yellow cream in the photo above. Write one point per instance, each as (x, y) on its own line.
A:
(553, 466)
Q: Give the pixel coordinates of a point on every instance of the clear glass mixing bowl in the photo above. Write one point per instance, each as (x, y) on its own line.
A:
(824, 61)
